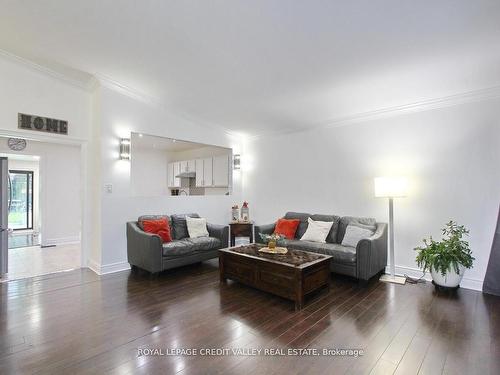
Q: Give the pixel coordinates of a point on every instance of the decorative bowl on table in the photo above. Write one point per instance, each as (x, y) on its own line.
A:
(275, 250)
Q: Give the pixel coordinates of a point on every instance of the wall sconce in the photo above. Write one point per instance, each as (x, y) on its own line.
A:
(125, 149)
(237, 162)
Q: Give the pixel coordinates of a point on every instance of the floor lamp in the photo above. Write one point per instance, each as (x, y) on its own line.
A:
(391, 187)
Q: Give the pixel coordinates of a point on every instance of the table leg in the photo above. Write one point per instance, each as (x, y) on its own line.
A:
(222, 277)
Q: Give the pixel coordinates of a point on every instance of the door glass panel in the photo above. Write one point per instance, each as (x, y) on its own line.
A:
(21, 200)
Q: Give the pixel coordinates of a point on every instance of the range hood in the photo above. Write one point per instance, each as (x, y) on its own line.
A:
(186, 175)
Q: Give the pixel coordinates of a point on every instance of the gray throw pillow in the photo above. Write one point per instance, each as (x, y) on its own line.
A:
(362, 222)
(179, 225)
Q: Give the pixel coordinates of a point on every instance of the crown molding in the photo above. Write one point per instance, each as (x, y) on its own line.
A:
(155, 102)
(483, 94)
(124, 90)
(420, 106)
(37, 68)
(98, 79)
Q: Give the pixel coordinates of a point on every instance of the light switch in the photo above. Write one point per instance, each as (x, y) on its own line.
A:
(108, 188)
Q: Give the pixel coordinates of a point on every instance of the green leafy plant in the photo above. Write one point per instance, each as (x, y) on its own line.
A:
(451, 251)
(271, 237)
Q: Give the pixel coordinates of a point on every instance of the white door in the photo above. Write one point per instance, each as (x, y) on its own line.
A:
(177, 170)
(191, 166)
(207, 172)
(221, 171)
(199, 172)
(170, 175)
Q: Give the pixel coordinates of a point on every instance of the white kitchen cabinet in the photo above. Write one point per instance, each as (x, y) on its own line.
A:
(177, 170)
(199, 172)
(183, 166)
(207, 172)
(204, 172)
(187, 166)
(170, 175)
(220, 173)
(173, 169)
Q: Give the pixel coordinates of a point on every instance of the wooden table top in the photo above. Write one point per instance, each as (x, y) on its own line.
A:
(293, 258)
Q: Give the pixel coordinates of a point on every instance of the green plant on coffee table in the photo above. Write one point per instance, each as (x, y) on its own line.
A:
(451, 251)
(277, 238)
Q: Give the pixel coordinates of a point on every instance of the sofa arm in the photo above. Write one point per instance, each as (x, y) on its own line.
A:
(264, 229)
(371, 253)
(144, 250)
(220, 232)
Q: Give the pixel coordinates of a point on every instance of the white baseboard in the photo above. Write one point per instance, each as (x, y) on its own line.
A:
(72, 240)
(114, 267)
(107, 268)
(94, 266)
(466, 283)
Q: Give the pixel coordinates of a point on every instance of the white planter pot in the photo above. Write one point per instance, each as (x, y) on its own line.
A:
(451, 279)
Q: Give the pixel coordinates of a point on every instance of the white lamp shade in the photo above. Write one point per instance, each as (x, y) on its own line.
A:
(391, 187)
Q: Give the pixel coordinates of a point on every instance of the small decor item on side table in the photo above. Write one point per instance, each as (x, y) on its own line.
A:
(272, 240)
(235, 213)
(446, 259)
(245, 214)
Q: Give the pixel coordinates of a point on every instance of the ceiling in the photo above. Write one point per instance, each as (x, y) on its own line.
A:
(264, 65)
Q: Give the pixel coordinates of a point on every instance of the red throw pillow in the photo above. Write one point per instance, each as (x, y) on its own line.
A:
(287, 227)
(159, 227)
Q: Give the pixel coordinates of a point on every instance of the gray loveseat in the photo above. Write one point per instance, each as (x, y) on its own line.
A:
(364, 261)
(146, 251)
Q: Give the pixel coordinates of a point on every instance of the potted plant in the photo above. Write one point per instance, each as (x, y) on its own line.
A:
(446, 259)
(271, 239)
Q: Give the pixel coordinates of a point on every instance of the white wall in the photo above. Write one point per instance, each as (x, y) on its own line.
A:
(451, 156)
(31, 89)
(119, 116)
(60, 189)
(148, 172)
(27, 90)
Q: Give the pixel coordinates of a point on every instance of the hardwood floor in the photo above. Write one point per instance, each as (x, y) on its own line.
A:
(80, 323)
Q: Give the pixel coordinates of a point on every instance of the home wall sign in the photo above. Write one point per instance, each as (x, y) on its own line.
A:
(42, 124)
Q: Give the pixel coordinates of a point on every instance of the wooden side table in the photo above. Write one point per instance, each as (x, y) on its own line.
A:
(240, 230)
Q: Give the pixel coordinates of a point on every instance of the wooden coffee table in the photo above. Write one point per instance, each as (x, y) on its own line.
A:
(292, 276)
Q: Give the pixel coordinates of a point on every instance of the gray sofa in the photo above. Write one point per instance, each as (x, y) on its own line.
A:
(146, 251)
(364, 261)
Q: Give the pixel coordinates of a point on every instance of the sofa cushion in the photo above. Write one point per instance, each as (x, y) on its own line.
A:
(340, 254)
(188, 246)
(177, 248)
(205, 243)
(303, 222)
(152, 217)
(179, 225)
(362, 222)
(332, 236)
